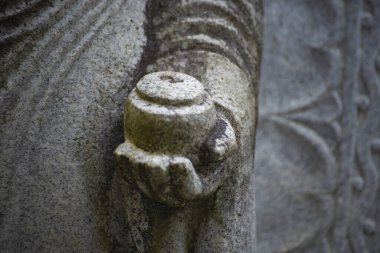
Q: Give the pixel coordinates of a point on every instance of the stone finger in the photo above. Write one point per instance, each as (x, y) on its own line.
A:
(185, 179)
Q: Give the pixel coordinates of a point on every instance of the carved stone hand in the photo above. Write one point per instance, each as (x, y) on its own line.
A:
(175, 140)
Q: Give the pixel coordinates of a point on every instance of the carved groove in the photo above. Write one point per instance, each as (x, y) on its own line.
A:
(93, 18)
(201, 42)
(219, 11)
(31, 21)
(17, 7)
(191, 28)
(230, 28)
(49, 48)
(47, 45)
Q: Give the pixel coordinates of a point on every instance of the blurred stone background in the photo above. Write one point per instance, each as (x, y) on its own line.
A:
(318, 143)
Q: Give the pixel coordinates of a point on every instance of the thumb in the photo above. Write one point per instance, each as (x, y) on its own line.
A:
(184, 178)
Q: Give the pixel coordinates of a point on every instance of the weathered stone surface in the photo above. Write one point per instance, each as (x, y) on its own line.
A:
(317, 158)
(165, 140)
(66, 67)
(210, 41)
(156, 122)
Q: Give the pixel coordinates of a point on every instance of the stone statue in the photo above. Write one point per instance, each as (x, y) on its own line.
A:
(183, 176)
(69, 68)
(189, 139)
(171, 116)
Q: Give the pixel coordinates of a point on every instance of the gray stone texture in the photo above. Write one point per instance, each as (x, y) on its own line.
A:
(219, 44)
(66, 68)
(317, 156)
